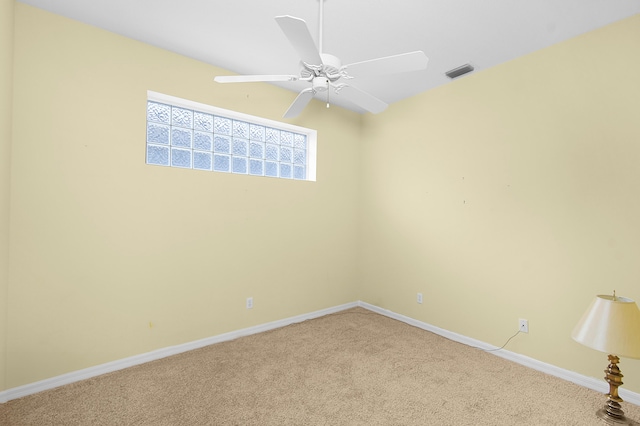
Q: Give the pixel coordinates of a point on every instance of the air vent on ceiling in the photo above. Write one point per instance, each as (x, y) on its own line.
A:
(461, 70)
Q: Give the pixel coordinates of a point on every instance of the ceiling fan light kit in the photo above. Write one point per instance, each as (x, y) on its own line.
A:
(324, 71)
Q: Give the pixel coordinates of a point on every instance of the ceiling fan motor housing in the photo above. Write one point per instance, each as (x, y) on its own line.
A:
(331, 66)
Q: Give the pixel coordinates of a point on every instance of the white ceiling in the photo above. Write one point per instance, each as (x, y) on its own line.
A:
(243, 37)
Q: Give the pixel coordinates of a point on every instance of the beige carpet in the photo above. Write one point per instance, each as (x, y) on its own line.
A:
(351, 368)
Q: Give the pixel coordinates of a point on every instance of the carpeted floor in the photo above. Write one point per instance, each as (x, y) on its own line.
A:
(351, 368)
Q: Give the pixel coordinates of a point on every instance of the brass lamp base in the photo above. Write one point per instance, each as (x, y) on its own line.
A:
(602, 414)
(612, 412)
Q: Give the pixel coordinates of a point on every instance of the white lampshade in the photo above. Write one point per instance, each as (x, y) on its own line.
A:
(611, 325)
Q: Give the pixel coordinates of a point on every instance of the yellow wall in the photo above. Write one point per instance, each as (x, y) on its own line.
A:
(6, 75)
(511, 193)
(103, 244)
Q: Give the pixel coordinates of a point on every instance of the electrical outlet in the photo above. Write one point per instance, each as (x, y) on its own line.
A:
(419, 298)
(249, 302)
(523, 325)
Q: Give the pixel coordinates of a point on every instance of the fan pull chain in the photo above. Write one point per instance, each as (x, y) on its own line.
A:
(328, 91)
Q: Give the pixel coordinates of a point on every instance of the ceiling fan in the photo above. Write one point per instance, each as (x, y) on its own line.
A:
(324, 71)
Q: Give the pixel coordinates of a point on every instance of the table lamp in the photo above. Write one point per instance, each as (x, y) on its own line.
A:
(611, 325)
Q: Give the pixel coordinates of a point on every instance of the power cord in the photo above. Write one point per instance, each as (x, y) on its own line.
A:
(501, 347)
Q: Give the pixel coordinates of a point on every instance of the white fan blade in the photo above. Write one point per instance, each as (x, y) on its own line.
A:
(253, 78)
(362, 99)
(405, 62)
(299, 103)
(299, 36)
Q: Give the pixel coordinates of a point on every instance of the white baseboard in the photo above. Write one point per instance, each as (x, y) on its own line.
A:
(75, 376)
(598, 385)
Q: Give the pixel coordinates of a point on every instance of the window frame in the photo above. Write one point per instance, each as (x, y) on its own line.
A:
(311, 134)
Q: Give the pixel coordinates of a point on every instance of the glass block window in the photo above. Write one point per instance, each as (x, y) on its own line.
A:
(190, 135)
